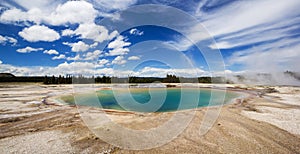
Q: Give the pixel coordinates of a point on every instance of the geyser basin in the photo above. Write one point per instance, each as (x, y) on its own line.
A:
(143, 99)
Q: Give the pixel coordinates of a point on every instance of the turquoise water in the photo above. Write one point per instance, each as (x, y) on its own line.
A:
(155, 100)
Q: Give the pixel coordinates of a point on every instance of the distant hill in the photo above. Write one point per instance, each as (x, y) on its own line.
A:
(6, 75)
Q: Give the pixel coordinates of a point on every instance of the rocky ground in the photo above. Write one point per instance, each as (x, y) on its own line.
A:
(266, 121)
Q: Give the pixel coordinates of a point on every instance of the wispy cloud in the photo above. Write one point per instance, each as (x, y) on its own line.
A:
(29, 49)
(268, 31)
(112, 5)
(275, 60)
(244, 22)
(134, 58)
(8, 40)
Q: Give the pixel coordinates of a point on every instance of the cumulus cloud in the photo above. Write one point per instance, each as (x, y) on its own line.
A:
(134, 58)
(51, 52)
(118, 46)
(77, 57)
(62, 14)
(118, 51)
(102, 62)
(17, 15)
(67, 32)
(89, 69)
(119, 60)
(85, 13)
(1, 62)
(61, 56)
(39, 33)
(28, 49)
(91, 31)
(6, 39)
(93, 55)
(84, 68)
(118, 43)
(162, 72)
(78, 47)
(135, 31)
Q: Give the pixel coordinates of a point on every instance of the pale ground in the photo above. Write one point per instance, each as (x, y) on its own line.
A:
(259, 123)
(284, 113)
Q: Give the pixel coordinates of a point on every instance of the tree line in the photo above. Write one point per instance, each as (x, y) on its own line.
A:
(80, 79)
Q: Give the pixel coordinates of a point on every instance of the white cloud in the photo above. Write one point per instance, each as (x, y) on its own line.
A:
(274, 60)
(102, 62)
(39, 33)
(6, 39)
(94, 45)
(93, 55)
(180, 44)
(112, 5)
(241, 17)
(91, 31)
(43, 4)
(251, 18)
(16, 15)
(134, 58)
(162, 72)
(84, 68)
(119, 60)
(67, 32)
(29, 49)
(118, 51)
(73, 12)
(61, 56)
(135, 31)
(1, 62)
(118, 43)
(78, 47)
(220, 45)
(62, 14)
(12, 40)
(51, 52)
(89, 69)
(118, 47)
(257, 35)
(61, 69)
(77, 57)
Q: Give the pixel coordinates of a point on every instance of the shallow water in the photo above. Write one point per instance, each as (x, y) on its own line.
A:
(153, 100)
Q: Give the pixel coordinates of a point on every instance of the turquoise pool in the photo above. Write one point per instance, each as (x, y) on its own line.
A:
(153, 100)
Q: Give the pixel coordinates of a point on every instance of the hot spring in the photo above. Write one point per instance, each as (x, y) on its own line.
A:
(152, 100)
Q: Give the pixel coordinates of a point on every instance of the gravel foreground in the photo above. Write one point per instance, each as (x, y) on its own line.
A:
(266, 121)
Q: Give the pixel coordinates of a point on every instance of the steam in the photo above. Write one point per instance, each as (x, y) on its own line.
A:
(275, 78)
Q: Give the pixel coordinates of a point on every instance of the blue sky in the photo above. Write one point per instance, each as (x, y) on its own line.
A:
(129, 37)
